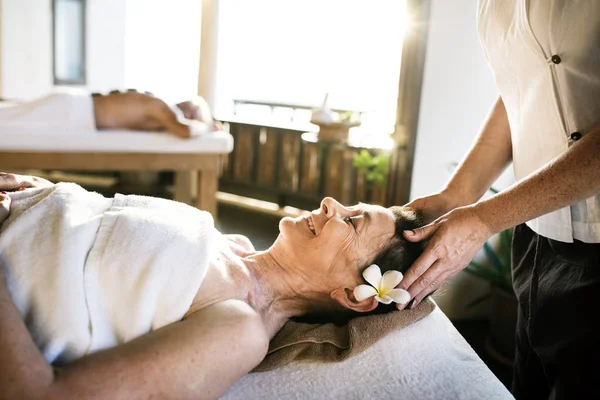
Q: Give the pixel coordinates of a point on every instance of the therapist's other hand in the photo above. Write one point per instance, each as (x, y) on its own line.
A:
(433, 206)
(4, 206)
(454, 238)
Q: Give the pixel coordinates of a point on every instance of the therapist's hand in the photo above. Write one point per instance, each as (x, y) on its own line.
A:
(454, 238)
(433, 206)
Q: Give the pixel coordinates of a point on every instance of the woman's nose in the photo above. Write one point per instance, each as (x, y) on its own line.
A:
(330, 207)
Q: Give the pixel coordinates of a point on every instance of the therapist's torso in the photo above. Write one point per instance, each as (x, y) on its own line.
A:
(545, 55)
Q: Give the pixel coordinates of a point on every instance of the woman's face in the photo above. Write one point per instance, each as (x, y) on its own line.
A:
(333, 241)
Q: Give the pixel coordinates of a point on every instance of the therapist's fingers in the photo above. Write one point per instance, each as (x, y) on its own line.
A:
(419, 234)
(436, 283)
(430, 279)
(460, 234)
(419, 267)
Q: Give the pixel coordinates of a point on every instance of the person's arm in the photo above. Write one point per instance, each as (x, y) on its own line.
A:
(199, 357)
(182, 127)
(487, 158)
(457, 236)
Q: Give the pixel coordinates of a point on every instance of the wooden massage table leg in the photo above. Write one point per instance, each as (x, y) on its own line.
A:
(206, 198)
(201, 185)
(182, 190)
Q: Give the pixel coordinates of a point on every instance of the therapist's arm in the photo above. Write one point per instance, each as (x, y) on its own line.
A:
(487, 158)
(458, 235)
(199, 357)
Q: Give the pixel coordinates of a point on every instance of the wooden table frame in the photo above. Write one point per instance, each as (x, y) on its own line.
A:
(196, 175)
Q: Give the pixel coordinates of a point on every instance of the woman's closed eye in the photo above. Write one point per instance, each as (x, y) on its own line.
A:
(351, 221)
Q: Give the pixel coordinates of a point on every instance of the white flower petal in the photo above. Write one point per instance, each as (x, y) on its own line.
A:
(384, 299)
(399, 296)
(362, 292)
(389, 280)
(372, 274)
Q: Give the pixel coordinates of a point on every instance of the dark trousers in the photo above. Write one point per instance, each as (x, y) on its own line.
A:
(558, 336)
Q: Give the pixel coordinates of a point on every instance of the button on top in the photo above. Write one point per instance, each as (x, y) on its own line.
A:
(556, 59)
(575, 136)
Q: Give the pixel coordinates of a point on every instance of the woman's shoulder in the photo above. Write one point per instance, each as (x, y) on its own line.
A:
(237, 321)
(240, 241)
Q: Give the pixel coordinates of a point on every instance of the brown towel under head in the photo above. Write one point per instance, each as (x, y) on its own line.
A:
(330, 343)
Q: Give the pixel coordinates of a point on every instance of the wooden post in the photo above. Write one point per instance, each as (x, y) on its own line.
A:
(182, 190)
(206, 199)
(208, 52)
(409, 99)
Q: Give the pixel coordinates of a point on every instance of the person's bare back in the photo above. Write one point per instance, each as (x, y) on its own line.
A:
(144, 112)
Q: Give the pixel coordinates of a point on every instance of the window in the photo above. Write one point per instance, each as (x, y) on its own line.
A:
(295, 51)
(162, 47)
(68, 30)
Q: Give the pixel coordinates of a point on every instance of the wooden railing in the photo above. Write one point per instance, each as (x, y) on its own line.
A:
(294, 108)
(278, 165)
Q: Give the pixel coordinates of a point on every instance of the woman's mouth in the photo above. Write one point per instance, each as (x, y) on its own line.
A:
(311, 224)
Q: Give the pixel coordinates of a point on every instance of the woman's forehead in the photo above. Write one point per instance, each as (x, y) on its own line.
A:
(378, 221)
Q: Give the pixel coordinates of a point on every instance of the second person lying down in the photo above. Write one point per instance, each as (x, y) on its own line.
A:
(81, 112)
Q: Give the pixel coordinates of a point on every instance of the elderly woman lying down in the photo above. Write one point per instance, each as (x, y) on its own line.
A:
(137, 297)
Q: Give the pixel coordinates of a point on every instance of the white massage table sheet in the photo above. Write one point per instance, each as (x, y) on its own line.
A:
(426, 360)
(118, 141)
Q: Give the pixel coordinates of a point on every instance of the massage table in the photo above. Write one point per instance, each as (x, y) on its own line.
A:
(196, 162)
(426, 360)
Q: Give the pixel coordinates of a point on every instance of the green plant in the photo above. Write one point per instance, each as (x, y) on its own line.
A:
(375, 167)
(346, 116)
(498, 269)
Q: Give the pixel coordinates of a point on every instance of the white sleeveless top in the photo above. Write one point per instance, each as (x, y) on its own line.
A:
(88, 273)
(545, 55)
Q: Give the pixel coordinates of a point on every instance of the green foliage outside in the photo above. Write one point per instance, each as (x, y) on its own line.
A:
(375, 167)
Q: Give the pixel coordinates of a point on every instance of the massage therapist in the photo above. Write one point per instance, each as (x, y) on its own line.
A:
(545, 55)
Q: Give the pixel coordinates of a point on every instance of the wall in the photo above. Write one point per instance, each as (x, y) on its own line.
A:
(148, 44)
(162, 47)
(105, 44)
(26, 48)
(458, 89)
(1, 1)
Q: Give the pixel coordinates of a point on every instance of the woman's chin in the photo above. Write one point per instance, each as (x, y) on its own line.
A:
(284, 224)
(293, 231)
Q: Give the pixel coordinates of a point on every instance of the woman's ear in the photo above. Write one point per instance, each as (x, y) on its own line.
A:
(345, 297)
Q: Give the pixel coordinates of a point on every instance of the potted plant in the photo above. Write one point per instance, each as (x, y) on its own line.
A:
(333, 126)
(374, 170)
(497, 270)
(375, 167)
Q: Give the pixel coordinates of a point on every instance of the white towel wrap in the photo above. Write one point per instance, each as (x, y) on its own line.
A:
(88, 273)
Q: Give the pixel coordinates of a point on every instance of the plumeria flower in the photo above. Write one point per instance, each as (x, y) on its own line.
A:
(382, 287)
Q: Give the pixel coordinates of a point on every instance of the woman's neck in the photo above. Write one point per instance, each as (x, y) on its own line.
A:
(281, 289)
(273, 289)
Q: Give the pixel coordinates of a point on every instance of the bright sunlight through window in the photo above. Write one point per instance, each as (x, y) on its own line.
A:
(295, 51)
